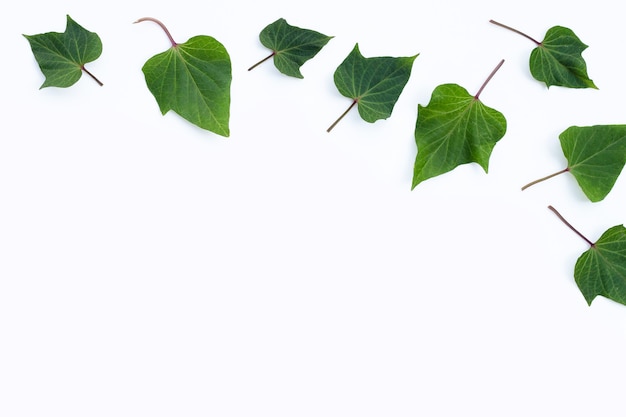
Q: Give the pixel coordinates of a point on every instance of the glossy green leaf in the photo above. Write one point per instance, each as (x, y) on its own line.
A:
(455, 128)
(62, 56)
(595, 157)
(557, 60)
(374, 84)
(291, 46)
(601, 270)
(193, 79)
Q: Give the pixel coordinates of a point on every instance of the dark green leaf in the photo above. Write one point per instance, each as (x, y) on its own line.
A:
(291, 46)
(455, 128)
(557, 60)
(601, 270)
(193, 79)
(374, 84)
(62, 56)
(595, 155)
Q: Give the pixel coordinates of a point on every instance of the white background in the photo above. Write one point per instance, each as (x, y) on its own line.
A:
(150, 268)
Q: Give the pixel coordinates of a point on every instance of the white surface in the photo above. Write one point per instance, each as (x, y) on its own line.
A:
(150, 268)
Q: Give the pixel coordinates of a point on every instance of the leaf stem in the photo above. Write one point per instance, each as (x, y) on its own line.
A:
(545, 178)
(262, 61)
(571, 227)
(342, 116)
(91, 75)
(488, 79)
(158, 22)
(516, 31)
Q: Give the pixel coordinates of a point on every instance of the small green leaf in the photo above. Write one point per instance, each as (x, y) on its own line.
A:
(557, 60)
(601, 270)
(291, 46)
(455, 128)
(193, 79)
(374, 84)
(595, 155)
(62, 56)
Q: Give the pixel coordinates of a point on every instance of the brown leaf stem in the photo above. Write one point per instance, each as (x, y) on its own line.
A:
(515, 30)
(158, 22)
(570, 226)
(91, 75)
(262, 61)
(488, 79)
(342, 116)
(545, 178)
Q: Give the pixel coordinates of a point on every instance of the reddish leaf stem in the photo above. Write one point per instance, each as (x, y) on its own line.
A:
(342, 116)
(545, 178)
(488, 79)
(158, 22)
(262, 61)
(91, 75)
(516, 31)
(571, 227)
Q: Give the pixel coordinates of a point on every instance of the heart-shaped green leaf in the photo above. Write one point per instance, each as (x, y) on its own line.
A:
(454, 128)
(193, 79)
(557, 60)
(291, 46)
(595, 157)
(62, 56)
(601, 270)
(374, 84)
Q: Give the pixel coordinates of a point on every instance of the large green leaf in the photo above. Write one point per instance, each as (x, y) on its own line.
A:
(454, 128)
(193, 79)
(374, 84)
(62, 56)
(557, 60)
(595, 157)
(291, 46)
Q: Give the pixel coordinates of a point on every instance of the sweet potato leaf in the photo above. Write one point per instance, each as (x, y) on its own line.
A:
(557, 60)
(291, 46)
(193, 79)
(595, 157)
(62, 56)
(455, 128)
(374, 84)
(601, 270)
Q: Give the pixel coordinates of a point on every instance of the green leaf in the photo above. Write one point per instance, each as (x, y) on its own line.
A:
(455, 128)
(557, 60)
(601, 270)
(291, 46)
(62, 56)
(193, 79)
(374, 84)
(595, 155)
